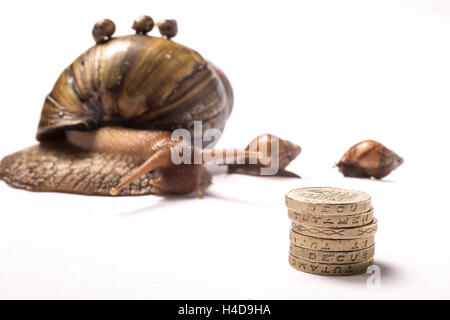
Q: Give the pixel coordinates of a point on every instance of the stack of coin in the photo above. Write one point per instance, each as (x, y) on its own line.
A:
(333, 231)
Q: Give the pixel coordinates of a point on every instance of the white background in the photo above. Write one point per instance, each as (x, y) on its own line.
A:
(324, 74)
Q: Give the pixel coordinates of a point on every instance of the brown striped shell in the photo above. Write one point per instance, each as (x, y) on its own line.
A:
(137, 81)
(367, 159)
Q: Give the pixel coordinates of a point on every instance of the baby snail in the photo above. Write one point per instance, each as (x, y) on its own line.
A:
(368, 159)
(168, 28)
(285, 150)
(106, 127)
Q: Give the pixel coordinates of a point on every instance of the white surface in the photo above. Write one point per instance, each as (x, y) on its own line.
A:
(325, 74)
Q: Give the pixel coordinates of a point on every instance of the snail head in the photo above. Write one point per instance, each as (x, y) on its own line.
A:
(180, 168)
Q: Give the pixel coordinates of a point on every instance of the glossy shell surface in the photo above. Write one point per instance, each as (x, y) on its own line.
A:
(137, 81)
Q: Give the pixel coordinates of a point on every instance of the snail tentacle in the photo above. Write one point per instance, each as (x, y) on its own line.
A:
(230, 156)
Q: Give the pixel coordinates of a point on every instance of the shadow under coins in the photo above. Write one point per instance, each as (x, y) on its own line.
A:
(383, 274)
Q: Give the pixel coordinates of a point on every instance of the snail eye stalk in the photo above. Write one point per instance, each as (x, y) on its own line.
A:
(231, 156)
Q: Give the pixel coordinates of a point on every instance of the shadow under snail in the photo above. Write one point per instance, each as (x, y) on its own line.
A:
(105, 128)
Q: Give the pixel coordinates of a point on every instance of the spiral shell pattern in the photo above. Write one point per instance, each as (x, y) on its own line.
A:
(140, 82)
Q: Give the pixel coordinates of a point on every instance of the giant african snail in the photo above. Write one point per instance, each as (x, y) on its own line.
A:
(106, 126)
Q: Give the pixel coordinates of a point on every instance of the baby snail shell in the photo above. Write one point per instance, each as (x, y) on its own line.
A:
(286, 152)
(168, 28)
(106, 126)
(367, 159)
(103, 30)
(143, 24)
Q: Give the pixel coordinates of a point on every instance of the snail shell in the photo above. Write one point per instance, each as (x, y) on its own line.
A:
(367, 159)
(139, 82)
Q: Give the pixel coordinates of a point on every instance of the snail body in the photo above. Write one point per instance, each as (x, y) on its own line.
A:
(105, 128)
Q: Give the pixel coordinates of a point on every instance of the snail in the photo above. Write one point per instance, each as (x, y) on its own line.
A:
(286, 152)
(106, 127)
(367, 159)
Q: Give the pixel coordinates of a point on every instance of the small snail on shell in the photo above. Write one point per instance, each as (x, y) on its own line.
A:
(105, 128)
(168, 28)
(367, 159)
(103, 30)
(143, 24)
